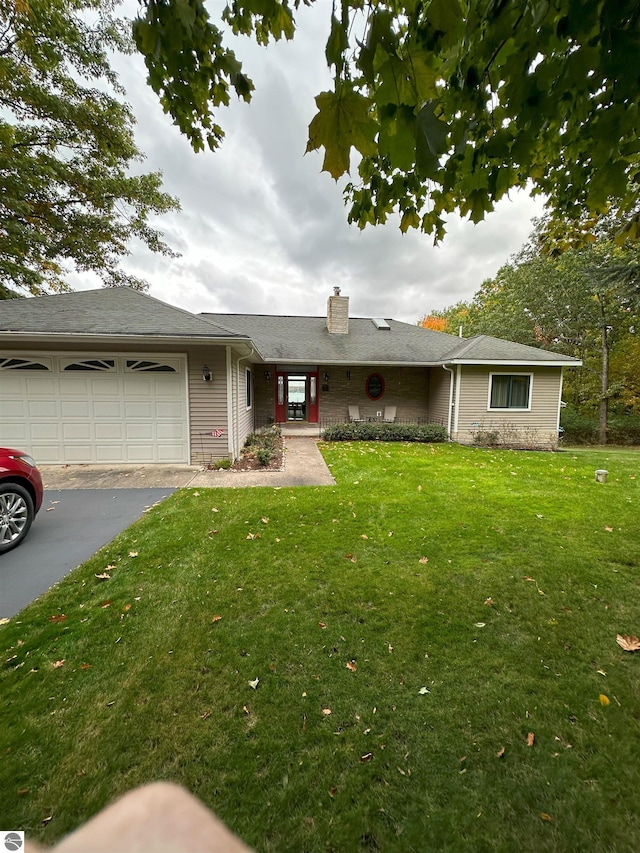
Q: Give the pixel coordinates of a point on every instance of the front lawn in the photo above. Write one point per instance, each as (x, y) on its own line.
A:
(421, 658)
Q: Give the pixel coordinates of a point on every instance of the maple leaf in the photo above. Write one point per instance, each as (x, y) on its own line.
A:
(423, 560)
(608, 529)
(216, 618)
(326, 712)
(628, 642)
(58, 664)
(351, 666)
(343, 121)
(531, 739)
(264, 519)
(488, 601)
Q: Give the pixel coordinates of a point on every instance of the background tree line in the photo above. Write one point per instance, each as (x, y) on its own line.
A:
(583, 302)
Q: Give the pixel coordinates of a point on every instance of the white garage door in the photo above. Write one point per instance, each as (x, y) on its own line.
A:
(70, 408)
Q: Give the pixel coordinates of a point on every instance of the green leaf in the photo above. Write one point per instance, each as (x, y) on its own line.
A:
(337, 43)
(343, 122)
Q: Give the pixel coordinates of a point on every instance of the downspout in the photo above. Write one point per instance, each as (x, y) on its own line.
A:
(450, 370)
(559, 404)
(230, 439)
(457, 407)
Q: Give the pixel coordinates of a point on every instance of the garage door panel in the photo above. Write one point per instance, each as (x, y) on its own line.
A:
(84, 417)
(75, 409)
(76, 432)
(42, 409)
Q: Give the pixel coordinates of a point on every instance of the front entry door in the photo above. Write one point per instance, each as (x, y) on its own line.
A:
(296, 397)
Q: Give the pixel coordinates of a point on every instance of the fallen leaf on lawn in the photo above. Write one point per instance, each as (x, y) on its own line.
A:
(110, 567)
(57, 664)
(351, 558)
(366, 757)
(254, 535)
(351, 666)
(264, 519)
(528, 578)
(212, 533)
(608, 529)
(604, 700)
(4, 621)
(216, 618)
(254, 684)
(481, 624)
(322, 624)
(423, 691)
(363, 536)
(104, 576)
(46, 820)
(246, 710)
(601, 672)
(547, 817)
(59, 618)
(133, 553)
(390, 648)
(391, 533)
(206, 715)
(423, 560)
(419, 488)
(531, 739)
(333, 791)
(85, 666)
(500, 752)
(137, 598)
(326, 711)
(21, 792)
(105, 603)
(488, 601)
(126, 607)
(628, 642)
(214, 509)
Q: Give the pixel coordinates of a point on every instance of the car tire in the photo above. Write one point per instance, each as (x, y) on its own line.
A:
(16, 515)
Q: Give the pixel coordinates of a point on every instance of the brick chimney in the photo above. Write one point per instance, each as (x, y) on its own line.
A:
(338, 313)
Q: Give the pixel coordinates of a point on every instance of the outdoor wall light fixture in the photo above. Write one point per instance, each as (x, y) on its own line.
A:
(267, 375)
(325, 376)
(206, 373)
(348, 374)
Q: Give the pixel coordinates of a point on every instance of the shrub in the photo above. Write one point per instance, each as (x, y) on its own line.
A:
(221, 465)
(263, 455)
(376, 431)
(486, 438)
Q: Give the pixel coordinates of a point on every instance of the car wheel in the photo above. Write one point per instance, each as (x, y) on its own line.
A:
(16, 515)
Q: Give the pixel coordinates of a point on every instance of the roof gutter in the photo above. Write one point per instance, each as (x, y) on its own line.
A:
(31, 338)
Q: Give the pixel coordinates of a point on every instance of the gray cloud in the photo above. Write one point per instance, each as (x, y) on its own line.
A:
(263, 230)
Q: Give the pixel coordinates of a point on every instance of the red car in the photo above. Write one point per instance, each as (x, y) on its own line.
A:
(20, 496)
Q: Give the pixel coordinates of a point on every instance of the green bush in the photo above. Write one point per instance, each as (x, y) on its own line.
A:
(375, 431)
(221, 465)
(584, 429)
(263, 455)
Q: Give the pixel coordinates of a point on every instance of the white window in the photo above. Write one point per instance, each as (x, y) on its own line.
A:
(510, 391)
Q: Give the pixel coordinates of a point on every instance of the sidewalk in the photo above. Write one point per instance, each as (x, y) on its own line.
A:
(303, 466)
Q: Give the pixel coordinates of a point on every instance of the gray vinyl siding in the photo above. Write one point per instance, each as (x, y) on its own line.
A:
(537, 427)
(439, 395)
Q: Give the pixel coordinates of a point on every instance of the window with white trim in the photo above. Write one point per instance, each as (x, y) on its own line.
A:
(22, 364)
(510, 391)
(248, 388)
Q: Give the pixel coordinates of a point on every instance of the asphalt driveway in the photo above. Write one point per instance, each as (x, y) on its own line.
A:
(71, 526)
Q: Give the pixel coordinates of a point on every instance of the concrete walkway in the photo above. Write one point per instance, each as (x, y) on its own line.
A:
(303, 466)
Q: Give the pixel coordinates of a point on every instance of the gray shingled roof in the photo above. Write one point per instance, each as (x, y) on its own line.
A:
(306, 340)
(108, 311)
(486, 348)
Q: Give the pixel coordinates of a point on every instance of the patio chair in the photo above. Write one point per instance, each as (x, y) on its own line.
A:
(389, 414)
(354, 413)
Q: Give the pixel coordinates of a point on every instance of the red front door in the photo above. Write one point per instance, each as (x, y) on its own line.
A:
(296, 397)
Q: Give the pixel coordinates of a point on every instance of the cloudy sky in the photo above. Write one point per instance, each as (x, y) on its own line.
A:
(263, 230)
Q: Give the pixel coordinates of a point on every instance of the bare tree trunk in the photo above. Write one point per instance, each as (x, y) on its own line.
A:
(604, 375)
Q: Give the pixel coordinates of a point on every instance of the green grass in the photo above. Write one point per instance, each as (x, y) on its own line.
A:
(510, 623)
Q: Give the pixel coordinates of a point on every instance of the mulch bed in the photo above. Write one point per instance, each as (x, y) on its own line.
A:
(248, 461)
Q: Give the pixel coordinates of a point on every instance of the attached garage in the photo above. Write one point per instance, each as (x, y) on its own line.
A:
(95, 408)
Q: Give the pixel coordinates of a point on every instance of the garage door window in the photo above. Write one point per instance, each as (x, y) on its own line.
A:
(21, 364)
(100, 364)
(150, 366)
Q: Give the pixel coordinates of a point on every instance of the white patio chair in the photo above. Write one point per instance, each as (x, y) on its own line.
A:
(389, 414)
(354, 413)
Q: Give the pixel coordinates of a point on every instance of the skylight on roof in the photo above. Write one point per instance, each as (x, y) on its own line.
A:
(380, 324)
